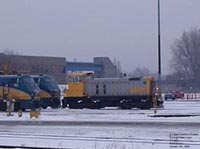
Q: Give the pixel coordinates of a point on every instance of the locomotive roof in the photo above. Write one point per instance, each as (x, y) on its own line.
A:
(37, 76)
(12, 76)
(123, 79)
(80, 73)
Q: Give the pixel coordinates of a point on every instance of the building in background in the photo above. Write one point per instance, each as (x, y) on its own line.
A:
(17, 64)
(102, 67)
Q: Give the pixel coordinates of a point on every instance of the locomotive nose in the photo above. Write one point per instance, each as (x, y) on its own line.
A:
(36, 94)
(55, 93)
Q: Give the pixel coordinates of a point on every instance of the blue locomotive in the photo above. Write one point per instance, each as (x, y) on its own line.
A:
(21, 89)
(50, 91)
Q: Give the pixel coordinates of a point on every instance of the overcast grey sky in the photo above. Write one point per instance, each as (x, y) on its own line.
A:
(81, 29)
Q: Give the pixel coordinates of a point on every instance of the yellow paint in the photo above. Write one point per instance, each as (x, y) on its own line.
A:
(15, 94)
(75, 89)
(149, 84)
(138, 90)
(44, 94)
(37, 97)
(147, 89)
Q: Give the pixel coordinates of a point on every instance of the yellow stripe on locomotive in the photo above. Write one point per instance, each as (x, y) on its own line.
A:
(15, 94)
(44, 94)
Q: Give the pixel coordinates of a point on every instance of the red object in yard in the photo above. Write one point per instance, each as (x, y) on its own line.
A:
(178, 94)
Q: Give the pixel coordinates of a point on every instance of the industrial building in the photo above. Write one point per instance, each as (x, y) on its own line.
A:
(54, 66)
(58, 67)
(101, 66)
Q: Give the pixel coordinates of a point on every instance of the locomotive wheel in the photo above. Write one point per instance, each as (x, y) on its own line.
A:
(98, 106)
(145, 106)
(75, 106)
(16, 106)
(125, 105)
(44, 107)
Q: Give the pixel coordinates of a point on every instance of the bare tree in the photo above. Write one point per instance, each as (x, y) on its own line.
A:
(11, 61)
(139, 72)
(10, 52)
(185, 61)
(117, 64)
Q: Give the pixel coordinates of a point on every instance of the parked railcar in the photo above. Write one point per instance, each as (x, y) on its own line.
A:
(20, 89)
(126, 93)
(50, 91)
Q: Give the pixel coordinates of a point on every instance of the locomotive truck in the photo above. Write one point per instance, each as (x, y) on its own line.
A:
(84, 91)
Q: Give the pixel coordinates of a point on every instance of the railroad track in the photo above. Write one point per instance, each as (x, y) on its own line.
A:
(66, 138)
(141, 123)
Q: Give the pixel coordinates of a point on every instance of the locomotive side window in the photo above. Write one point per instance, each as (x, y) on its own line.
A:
(104, 89)
(97, 89)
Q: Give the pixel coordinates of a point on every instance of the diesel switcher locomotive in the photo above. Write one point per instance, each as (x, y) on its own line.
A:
(86, 92)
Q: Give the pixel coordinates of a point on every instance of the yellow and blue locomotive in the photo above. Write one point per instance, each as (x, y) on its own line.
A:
(21, 89)
(86, 92)
(50, 91)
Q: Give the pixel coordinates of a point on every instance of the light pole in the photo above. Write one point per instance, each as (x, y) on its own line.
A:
(158, 86)
(159, 45)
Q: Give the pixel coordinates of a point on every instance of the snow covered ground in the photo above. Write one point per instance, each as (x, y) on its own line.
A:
(108, 128)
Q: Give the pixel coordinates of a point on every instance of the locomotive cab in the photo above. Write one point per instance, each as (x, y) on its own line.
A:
(77, 84)
(76, 92)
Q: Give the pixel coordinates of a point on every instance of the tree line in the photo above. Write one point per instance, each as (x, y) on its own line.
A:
(184, 62)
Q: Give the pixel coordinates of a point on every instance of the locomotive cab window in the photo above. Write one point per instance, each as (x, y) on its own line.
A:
(37, 80)
(14, 82)
(76, 79)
